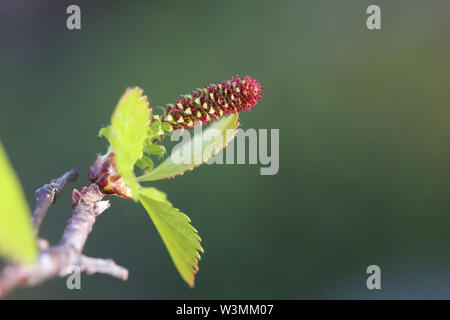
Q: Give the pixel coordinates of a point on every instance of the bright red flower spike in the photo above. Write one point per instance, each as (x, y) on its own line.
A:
(213, 102)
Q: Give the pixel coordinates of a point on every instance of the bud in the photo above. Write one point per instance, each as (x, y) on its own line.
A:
(104, 174)
(212, 102)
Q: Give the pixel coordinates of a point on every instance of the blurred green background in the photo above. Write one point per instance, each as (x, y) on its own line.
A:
(364, 130)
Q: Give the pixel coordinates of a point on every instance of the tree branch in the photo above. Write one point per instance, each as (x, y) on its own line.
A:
(106, 266)
(47, 194)
(56, 261)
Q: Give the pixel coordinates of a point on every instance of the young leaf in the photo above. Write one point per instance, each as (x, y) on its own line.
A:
(128, 132)
(17, 239)
(179, 236)
(212, 140)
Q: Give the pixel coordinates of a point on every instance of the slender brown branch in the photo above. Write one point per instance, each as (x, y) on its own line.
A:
(47, 194)
(106, 266)
(55, 261)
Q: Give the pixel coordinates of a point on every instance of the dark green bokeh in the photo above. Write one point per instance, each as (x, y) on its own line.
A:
(364, 127)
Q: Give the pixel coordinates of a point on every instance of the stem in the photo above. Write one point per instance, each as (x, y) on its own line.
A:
(47, 194)
(53, 262)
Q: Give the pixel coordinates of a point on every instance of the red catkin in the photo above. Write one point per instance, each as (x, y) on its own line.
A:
(213, 101)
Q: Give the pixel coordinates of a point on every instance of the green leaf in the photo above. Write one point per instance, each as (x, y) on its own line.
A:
(145, 163)
(17, 239)
(128, 132)
(212, 140)
(155, 149)
(179, 236)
